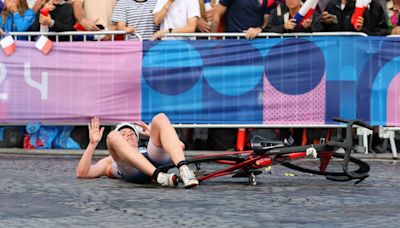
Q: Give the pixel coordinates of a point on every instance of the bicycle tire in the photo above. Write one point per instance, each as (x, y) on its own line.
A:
(359, 165)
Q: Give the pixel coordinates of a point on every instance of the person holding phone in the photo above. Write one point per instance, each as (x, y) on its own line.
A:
(94, 15)
(127, 163)
(337, 17)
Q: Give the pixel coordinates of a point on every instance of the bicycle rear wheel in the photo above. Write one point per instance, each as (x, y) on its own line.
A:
(332, 169)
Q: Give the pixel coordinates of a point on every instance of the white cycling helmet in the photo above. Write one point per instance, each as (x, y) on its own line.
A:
(137, 129)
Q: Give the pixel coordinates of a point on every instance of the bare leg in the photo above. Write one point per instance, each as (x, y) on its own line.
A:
(164, 135)
(121, 151)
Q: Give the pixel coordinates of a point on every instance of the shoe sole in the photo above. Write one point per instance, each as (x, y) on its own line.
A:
(191, 185)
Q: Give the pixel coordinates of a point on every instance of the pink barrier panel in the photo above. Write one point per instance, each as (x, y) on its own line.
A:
(74, 82)
(393, 101)
(307, 108)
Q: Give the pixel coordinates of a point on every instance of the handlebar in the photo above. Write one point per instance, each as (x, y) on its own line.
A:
(353, 122)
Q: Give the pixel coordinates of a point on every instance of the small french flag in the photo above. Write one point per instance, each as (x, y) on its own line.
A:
(306, 11)
(8, 45)
(361, 5)
(44, 44)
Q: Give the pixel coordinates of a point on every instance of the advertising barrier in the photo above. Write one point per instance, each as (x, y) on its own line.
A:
(292, 81)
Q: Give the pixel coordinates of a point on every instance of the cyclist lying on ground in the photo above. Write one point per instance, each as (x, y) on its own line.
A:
(127, 163)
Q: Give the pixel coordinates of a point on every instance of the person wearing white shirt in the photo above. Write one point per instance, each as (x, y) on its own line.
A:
(176, 16)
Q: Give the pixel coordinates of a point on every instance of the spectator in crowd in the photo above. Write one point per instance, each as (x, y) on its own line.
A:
(60, 18)
(92, 13)
(135, 17)
(394, 16)
(16, 17)
(127, 163)
(176, 16)
(338, 13)
(282, 19)
(248, 16)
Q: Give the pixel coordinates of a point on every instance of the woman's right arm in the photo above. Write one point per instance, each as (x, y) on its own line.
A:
(85, 168)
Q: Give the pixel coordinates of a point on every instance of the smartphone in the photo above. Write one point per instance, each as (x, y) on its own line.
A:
(101, 27)
(334, 19)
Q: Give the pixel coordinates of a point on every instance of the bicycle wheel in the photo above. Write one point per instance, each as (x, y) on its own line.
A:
(332, 168)
(209, 167)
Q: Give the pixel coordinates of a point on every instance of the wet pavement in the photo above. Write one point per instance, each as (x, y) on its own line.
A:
(42, 191)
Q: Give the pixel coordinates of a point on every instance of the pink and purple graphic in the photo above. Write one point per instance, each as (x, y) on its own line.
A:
(304, 109)
(74, 82)
(393, 101)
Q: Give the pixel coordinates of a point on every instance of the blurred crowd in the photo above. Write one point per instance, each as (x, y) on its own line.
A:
(152, 19)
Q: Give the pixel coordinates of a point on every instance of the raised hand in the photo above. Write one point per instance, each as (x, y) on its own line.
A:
(95, 132)
(12, 7)
(146, 128)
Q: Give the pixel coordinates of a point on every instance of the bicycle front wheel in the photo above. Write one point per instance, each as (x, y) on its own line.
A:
(330, 168)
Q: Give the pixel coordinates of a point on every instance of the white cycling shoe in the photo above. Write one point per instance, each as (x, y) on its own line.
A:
(168, 179)
(188, 177)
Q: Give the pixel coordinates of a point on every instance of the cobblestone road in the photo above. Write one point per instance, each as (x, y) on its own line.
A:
(43, 191)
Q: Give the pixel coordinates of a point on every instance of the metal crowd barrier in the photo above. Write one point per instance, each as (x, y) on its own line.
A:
(223, 36)
(210, 36)
(73, 34)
